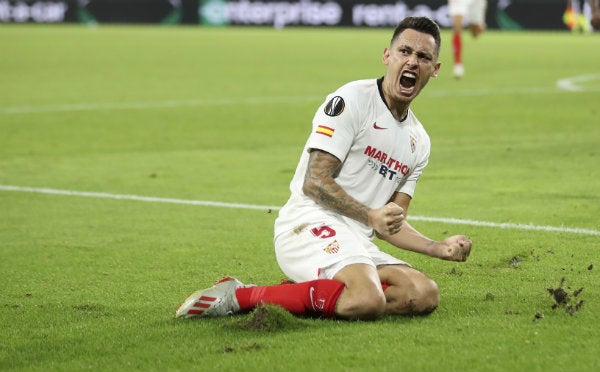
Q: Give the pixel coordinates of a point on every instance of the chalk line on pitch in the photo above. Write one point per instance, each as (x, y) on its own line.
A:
(206, 203)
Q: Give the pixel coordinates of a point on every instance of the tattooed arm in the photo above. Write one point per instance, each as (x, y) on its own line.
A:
(388, 221)
(320, 185)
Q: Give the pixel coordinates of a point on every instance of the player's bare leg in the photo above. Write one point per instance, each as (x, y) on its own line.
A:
(457, 25)
(362, 297)
(476, 29)
(410, 292)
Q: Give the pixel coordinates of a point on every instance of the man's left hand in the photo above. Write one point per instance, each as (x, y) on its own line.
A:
(454, 248)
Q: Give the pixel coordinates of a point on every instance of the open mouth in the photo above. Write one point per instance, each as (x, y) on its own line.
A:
(408, 80)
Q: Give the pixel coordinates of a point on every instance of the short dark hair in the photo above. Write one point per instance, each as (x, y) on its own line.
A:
(421, 24)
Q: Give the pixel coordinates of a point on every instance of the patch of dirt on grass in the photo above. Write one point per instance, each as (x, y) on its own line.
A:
(515, 261)
(94, 310)
(454, 271)
(566, 299)
(230, 349)
(267, 318)
(261, 320)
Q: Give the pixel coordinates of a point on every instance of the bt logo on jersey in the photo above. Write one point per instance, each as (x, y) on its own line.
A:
(388, 164)
(386, 172)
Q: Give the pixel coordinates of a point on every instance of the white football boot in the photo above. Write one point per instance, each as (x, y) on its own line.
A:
(218, 300)
(459, 71)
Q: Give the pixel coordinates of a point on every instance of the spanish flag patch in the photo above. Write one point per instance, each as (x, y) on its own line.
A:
(321, 129)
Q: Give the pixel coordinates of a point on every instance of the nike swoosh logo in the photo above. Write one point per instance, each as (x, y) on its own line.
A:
(377, 126)
(312, 301)
(317, 305)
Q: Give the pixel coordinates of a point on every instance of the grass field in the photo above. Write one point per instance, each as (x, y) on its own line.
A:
(112, 137)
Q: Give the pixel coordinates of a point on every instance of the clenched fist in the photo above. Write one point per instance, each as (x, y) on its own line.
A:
(454, 248)
(387, 220)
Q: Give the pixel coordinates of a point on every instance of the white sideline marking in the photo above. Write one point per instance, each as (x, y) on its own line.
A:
(567, 84)
(570, 83)
(151, 199)
(507, 225)
(91, 106)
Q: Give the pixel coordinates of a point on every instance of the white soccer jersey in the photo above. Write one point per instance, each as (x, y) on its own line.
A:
(380, 154)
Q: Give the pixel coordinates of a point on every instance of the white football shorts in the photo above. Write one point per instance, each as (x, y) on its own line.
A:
(321, 249)
(472, 10)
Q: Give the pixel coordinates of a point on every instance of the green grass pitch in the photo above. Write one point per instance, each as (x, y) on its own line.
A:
(91, 282)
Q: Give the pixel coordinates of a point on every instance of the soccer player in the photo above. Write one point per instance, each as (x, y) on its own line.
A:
(576, 15)
(355, 179)
(474, 12)
(595, 16)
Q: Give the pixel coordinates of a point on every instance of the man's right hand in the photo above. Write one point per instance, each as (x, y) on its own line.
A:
(387, 220)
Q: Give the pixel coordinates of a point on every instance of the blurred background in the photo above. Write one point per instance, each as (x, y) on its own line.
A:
(501, 14)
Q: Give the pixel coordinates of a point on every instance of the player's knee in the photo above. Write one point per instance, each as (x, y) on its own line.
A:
(417, 296)
(366, 306)
(427, 297)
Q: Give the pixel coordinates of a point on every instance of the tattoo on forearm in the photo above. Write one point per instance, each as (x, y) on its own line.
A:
(320, 176)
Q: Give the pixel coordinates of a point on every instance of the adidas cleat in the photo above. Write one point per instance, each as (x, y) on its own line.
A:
(218, 300)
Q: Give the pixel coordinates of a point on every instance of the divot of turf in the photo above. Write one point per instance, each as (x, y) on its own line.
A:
(515, 261)
(230, 349)
(91, 309)
(267, 318)
(565, 300)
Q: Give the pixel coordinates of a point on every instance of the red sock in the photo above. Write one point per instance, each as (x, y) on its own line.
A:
(317, 297)
(457, 47)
